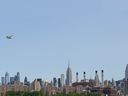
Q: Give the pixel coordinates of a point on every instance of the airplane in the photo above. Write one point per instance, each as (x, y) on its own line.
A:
(9, 37)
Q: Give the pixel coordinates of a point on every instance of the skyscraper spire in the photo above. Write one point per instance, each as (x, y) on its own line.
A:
(69, 75)
(68, 63)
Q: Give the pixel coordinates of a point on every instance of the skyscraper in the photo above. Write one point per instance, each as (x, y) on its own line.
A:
(3, 80)
(6, 78)
(69, 76)
(12, 80)
(84, 74)
(18, 76)
(77, 77)
(102, 78)
(96, 79)
(26, 82)
(54, 82)
(59, 82)
(62, 80)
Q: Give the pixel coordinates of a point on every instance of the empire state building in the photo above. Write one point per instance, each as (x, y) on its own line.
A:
(69, 76)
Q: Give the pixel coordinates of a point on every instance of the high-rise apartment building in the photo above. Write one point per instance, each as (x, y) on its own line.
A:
(41, 81)
(69, 76)
(36, 85)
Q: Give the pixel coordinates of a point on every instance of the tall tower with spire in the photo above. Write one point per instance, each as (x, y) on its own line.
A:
(69, 75)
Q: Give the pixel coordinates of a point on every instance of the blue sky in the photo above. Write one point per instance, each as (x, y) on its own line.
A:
(92, 34)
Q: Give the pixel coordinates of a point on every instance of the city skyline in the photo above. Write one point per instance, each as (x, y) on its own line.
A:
(46, 34)
(65, 79)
